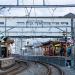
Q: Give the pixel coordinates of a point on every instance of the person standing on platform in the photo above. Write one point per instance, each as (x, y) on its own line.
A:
(62, 50)
(68, 50)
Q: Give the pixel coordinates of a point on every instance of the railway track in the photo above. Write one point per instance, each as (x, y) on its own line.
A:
(31, 68)
(56, 71)
(53, 70)
(17, 68)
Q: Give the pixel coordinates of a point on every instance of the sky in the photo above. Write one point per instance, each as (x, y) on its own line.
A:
(37, 1)
(36, 11)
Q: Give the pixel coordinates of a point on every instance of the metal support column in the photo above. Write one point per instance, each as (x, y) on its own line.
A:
(21, 46)
(5, 26)
(73, 38)
(17, 2)
(72, 29)
(43, 2)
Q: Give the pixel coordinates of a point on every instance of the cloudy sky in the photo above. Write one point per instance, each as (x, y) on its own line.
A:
(36, 11)
(37, 1)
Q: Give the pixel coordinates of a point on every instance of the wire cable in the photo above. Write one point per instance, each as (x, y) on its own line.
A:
(34, 31)
(52, 14)
(24, 8)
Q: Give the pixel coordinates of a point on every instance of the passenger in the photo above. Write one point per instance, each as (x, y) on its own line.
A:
(68, 51)
(68, 63)
(51, 50)
(62, 51)
(57, 49)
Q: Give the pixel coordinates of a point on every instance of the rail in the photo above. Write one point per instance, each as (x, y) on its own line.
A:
(48, 64)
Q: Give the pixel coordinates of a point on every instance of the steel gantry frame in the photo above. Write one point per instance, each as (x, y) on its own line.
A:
(7, 28)
(37, 6)
(43, 5)
(34, 6)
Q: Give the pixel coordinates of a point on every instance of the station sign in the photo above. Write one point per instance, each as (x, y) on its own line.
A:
(43, 24)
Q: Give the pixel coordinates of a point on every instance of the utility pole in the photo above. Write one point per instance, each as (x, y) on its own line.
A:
(43, 2)
(5, 26)
(17, 2)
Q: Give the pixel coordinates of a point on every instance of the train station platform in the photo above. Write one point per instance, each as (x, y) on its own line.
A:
(68, 71)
